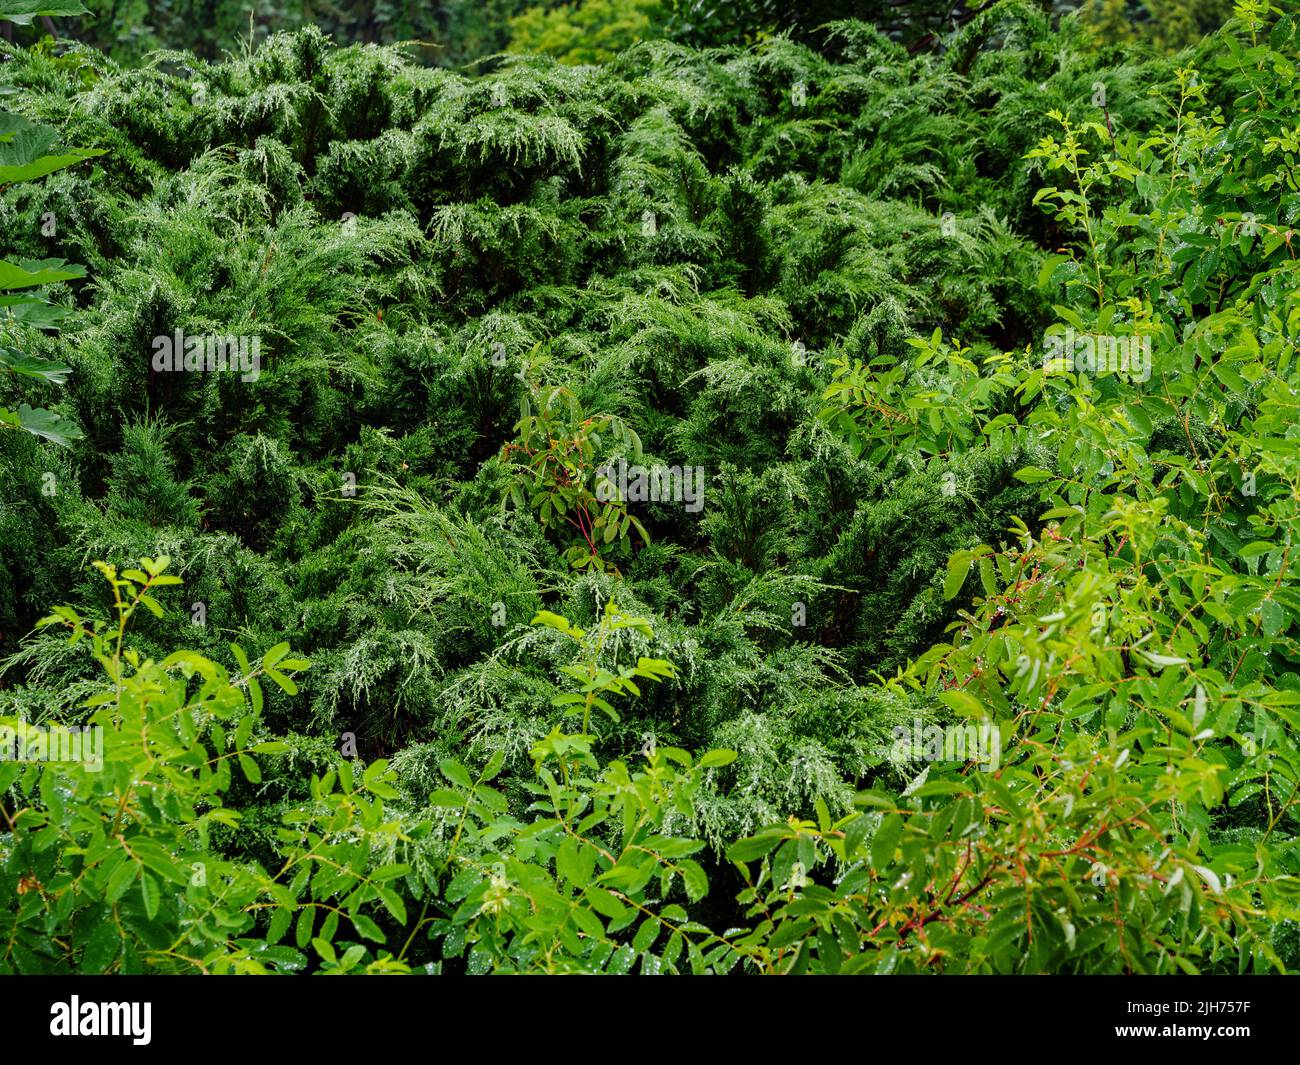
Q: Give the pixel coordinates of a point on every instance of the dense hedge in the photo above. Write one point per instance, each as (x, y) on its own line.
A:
(728, 260)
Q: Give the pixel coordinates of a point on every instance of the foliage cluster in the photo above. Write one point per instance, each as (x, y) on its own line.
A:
(457, 33)
(829, 280)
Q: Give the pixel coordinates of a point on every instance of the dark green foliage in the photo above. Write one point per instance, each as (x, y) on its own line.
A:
(691, 250)
(142, 483)
(694, 245)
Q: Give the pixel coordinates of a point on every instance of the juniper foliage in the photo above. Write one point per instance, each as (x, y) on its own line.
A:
(733, 256)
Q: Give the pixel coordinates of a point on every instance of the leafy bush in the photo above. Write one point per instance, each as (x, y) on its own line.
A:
(593, 31)
(25, 155)
(987, 354)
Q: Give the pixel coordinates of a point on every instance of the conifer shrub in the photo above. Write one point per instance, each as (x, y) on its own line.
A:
(977, 655)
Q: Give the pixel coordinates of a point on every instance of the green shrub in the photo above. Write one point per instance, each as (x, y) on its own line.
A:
(857, 287)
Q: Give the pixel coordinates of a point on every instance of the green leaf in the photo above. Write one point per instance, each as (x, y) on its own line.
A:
(1227, 374)
(855, 833)
(963, 703)
(988, 577)
(747, 850)
(152, 605)
(366, 927)
(286, 684)
(456, 773)
(493, 766)
(588, 922)
(325, 949)
(393, 904)
(23, 11)
(43, 423)
(245, 667)
(1033, 475)
(32, 309)
(695, 880)
(302, 931)
(885, 841)
(29, 274)
(646, 934)
(1048, 269)
(46, 164)
(122, 877)
(279, 924)
(52, 373)
(958, 567)
(102, 947)
(149, 895)
(604, 902)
